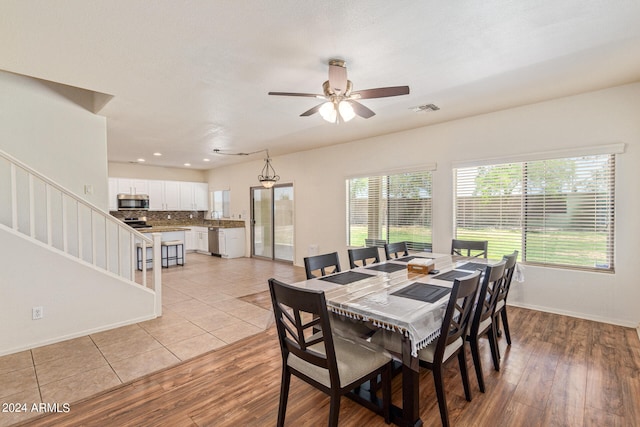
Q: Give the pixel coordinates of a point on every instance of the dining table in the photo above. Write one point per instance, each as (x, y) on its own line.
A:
(390, 296)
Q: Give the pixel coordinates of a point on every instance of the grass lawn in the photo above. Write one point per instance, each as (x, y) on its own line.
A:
(574, 248)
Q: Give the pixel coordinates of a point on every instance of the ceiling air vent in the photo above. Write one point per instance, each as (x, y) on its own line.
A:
(425, 107)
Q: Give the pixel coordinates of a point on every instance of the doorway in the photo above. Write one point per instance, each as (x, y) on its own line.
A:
(272, 228)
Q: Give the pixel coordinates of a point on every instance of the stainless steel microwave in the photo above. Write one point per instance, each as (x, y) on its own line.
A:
(133, 202)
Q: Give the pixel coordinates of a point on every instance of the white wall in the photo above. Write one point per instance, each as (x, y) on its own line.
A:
(590, 119)
(138, 171)
(77, 300)
(50, 128)
(47, 126)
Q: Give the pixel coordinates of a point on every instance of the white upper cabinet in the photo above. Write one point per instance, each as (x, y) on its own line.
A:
(172, 195)
(132, 186)
(201, 196)
(156, 196)
(163, 195)
(194, 196)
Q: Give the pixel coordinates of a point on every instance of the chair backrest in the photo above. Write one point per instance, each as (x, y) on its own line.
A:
(391, 250)
(302, 320)
(509, 268)
(458, 313)
(321, 262)
(363, 254)
(479, 248)
(487, 295)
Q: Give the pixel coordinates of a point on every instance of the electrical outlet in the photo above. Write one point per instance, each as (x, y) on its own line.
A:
(37, 313)
(168, 216)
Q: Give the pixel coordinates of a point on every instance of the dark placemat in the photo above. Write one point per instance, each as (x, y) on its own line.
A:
(472, 266)
(387, 268)
(410, 257)
(346, 277)
(452, 275)
(423, 292)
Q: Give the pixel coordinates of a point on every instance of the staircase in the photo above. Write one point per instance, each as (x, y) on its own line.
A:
(45, 221)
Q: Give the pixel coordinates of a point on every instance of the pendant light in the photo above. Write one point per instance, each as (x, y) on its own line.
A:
(268, 176)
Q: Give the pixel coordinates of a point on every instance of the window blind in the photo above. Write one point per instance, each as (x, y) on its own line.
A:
(556, 212)
(390, 208)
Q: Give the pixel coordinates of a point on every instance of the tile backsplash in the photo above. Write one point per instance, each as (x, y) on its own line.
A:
(162, 218)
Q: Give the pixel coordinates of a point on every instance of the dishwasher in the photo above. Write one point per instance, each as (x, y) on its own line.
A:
(214, 241)
(226, 242)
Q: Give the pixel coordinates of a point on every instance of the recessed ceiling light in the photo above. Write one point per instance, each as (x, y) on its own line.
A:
(205, 160)
(157, 154)
(141, 160)
(187, 164)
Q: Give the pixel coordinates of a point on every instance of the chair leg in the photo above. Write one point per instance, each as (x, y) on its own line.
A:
(284, 395)
(462, 361)
(334, 409)
(442, 402)
(386, 393)
(493, 343)
(475, 353)
(505, 324)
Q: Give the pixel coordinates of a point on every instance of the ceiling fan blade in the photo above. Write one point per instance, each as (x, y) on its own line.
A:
(360, 109)
(310, 95)
(381, 92)
(312, 110)
(338, 78)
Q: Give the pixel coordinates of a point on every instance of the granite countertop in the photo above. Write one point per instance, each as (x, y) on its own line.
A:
(197, 223)
(161, 229)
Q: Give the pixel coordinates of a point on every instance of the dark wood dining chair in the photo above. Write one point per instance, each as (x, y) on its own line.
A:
(321, 262)
(396, 250)
(326, 361)
(450, 343)
(370, 254)
(503, 293)
(473, 248)
(482, 321)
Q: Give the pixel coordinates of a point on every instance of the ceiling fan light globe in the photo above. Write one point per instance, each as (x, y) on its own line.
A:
(346, 111)
(328, 112)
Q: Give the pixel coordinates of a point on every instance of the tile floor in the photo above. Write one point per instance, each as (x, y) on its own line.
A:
(208, 303)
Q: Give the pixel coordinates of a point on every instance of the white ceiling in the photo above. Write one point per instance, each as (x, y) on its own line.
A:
(188, 76)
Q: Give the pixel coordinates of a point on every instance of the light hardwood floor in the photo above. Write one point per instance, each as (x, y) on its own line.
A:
(559, 371)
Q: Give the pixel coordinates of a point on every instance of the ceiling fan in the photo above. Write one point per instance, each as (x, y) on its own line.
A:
(341, 102)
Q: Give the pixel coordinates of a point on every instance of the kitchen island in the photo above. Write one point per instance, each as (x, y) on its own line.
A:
(169, 233)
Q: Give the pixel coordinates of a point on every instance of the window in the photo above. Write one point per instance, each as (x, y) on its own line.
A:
(557, 212)
(390, 208)
(220, 204)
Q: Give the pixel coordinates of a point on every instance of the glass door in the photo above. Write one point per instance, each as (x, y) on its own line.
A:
(283, 223)
(261, 222)
(272, 222)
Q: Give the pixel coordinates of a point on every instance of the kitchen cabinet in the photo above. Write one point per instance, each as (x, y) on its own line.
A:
(197, 239)
(125, 186)
(194, 196)
(132, 186)
(230, 242)
(164, 195)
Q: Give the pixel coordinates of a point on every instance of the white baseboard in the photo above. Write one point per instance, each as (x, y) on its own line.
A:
(76, 335)
(618, 322)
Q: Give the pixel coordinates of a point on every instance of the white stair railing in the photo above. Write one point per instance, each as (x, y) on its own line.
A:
(37, 207)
